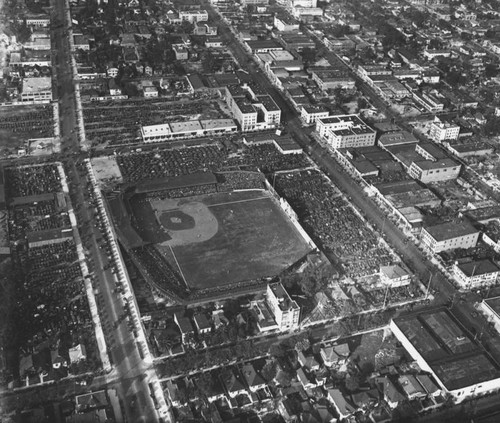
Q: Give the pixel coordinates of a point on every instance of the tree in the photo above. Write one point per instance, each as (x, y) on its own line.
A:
(352, 383)
(270, 370)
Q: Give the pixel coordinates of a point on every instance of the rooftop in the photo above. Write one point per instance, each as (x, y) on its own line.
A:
(35, 85)
(476, 268)
(285, 302)
(440, 164)
(450, 230)
(442, 341)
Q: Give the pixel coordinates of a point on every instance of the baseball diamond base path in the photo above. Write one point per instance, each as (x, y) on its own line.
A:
(224, 238)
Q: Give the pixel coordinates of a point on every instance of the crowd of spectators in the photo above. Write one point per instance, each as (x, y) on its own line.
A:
(33, 180)
(234, 180)
(176, 162)
(184, 191)
(332, 222)
(158, 164)
(159, 271)
(39, 122)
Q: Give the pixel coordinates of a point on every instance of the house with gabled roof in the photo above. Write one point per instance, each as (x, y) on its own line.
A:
(335, 354)
(91, 401)
(306, 379)
(233, 382)
(173, 393)
(308, 361)
(202, 324)
(411, 386)
(342, 405)
(428, 384)
(391, 393)
(253, 379)
(185, 326)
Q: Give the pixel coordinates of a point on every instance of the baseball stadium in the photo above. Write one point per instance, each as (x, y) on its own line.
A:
(194, 236)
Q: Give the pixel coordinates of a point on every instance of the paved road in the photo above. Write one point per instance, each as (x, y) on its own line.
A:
(65, 83)
(131, 375)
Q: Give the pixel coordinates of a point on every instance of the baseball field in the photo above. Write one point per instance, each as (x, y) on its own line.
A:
(222, 238)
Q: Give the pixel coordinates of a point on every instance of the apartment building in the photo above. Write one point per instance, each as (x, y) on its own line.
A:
(449, 236)
(345, 131)
(286, 311)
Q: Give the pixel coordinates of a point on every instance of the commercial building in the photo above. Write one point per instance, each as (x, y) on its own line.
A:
(441, 131)
(427, 171)
(42, 20)
(250, 111)
(311, 113)
(491, 308)
(331, 79)
(286, 311)
(449, 236)
(36, 90)
(284, 23)
(476, 274)
(441, 346)
(193, 16)
(345, 131)
(187, 129)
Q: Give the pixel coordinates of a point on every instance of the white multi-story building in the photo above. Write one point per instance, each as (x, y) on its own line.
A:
(252, 112)
(286, 311)
(449, 236)
(36, 90)
(38, 20)
(427, 171)
(305, 3)
(440, 131)
(310, 114)
(345, 131)
(193, 16)
(187, 129)
(476, 274)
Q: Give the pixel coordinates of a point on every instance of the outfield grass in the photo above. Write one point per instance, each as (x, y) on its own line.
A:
(255, 239)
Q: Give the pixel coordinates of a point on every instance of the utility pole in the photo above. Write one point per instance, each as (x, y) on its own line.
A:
(429, 285)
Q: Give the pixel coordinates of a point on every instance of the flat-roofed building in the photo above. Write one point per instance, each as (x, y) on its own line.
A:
(427, 171)
(449, 236)
(311, 113)
(331, 79)
(469, 149)
(49, 236)
(263, 46)
(187, 129)
(284, 23)
(394, 276)
(476, 274)
(193, 16)
(42, 20)
(286, 311)
(36, 90)
(491, 308)
(441, 346)
(345, 131)
(441, 131)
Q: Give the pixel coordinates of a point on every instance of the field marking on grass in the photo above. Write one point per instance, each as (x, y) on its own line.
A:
(239, 201)
(178, 266)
